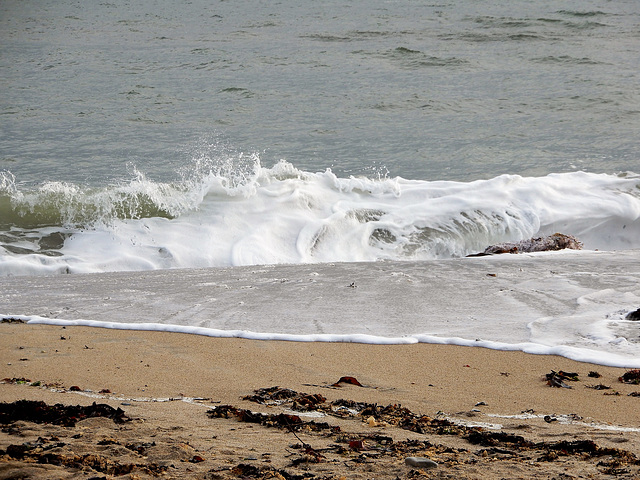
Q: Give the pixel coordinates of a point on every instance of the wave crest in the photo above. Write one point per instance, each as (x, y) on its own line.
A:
(235, 211)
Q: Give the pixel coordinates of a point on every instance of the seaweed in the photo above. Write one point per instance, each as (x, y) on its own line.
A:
(277, 395)
(282, 420)
(492, 439)
(632, 377)
(556, 379)
(11, 320)
(362, 447)
(58, 414)
(95, 462)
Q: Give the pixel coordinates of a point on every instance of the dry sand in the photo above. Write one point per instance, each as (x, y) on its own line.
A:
(166, 383)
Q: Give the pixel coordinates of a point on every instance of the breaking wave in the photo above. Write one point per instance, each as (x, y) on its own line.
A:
(238, 212)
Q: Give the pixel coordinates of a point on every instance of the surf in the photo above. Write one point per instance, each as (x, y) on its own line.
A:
(239, 212)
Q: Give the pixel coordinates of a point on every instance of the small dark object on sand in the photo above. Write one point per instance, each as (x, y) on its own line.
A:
(599, 387)
(594, 374)
(632, 376)
(573, 376)
(11, 320)
(349, 380)
(635, 315)
(556, 379)
(58, 414)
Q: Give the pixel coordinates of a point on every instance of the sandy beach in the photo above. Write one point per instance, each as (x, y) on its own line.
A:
(477, 413)
(319, 241)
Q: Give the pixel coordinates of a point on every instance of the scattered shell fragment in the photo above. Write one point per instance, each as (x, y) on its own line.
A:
(420, 462)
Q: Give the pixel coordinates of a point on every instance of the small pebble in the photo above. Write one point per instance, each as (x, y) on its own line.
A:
(420, 462)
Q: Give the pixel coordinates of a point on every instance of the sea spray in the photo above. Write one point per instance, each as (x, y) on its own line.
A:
(234, 211)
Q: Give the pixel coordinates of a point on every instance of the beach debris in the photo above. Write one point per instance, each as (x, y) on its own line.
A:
(58, 414)
(39, 452)
(372, 422)
(11, 320)
(349, 380)
(292, 423)
(557, 241)
(307, 401)
(26, 381)
(141, 447)
(600, 386)
(632, 377)
(357, 445)
(364, 448)
(245, 470)
(556, 379)
(489, 439)
(352, 285)
(16, 380)
(271, 395)
(550, 418)
(635, 315)
(301, 402)
(420, 462)
(594, 374)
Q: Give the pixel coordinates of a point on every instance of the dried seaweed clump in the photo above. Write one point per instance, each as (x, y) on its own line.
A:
(58, 414)
(632, 376)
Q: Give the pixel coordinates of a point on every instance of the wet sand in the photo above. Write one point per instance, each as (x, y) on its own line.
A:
(168, 384)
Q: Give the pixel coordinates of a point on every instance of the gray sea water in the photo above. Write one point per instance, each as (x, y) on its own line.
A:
(448, 90)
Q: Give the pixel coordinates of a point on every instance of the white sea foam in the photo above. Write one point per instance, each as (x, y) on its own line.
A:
(572, 304)
(568, 420)
(250, 215)
(573, 353)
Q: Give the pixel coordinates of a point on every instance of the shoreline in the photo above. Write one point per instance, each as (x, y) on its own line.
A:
(568, 303)
(168, 381)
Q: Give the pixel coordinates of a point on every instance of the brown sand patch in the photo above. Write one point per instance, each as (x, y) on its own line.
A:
(413, 401)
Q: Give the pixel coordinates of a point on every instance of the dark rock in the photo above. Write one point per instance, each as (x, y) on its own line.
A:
(557, 241)
(633, 315)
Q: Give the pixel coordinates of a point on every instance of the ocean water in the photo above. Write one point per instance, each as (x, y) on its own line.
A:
(138, 136)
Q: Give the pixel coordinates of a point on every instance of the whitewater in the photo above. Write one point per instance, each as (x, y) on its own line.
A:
(569, 303)
(245, 214)
(283, 254)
